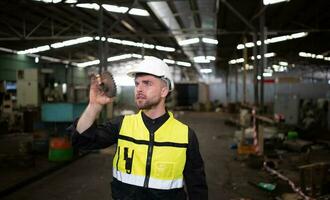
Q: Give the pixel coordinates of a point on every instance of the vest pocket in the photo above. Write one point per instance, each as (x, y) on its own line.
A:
(164, 170)
(128, 160)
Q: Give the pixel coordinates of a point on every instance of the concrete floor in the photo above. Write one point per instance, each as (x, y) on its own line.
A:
(89, 177)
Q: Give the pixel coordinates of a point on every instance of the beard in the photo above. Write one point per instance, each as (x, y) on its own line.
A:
(143, 103)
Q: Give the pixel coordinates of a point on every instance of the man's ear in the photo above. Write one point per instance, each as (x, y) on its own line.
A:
(164, 92)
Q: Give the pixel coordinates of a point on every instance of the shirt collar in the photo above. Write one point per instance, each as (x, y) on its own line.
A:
(159, 120)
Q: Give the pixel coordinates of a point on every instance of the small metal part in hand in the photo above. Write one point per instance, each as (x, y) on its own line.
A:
(107, 84)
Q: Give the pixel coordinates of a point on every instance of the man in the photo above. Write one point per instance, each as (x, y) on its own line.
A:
(156, 154)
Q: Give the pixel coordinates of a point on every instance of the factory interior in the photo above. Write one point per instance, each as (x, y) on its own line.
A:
(251, 79)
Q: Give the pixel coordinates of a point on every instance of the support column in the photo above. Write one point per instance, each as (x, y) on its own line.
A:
(236, 83)
(255, 71)
(263, 51)
(100, 42)
(245, 56)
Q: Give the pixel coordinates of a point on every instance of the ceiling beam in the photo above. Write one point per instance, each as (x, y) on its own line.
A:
(238, 14)
(36, 27)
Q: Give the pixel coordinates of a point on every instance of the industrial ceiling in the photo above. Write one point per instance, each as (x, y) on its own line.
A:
(161, 28)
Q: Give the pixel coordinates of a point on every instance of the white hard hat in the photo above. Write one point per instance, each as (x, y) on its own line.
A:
(154, 66)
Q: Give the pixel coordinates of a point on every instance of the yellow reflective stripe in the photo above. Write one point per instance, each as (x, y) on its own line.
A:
(153, 183)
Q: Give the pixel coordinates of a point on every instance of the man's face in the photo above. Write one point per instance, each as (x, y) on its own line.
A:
(149, 91)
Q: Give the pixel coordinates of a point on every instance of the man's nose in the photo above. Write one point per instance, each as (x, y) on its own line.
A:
(138, 88)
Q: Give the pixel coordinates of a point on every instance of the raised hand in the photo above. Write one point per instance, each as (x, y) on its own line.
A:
(96, 94)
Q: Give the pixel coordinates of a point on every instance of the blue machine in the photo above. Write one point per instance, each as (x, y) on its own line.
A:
(61, 112)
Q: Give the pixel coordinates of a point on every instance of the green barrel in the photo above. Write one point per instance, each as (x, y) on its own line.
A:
(60, 149)
(59, 155)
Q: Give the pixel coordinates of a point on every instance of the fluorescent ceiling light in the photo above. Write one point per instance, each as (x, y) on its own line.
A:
(161, 48)
(201, 59)
(56, 45)
(312, 55)
(209, 41)
(249, 44)
(274, 40)
(267, 55)
(210, 58)
(168, 61)
(71, 42)
(139, 12)
(185, 64)
(283, 63)
(139, 44)
(134, 55)
(235, 61)
(117, 9)
(88, 39)
(299, 35)
(206, 71)
(49, 1)
(71, 1)
(89, 63)
(109, 59)
(51, 59)
(279, 68)
(88, 5)
(7, 50)
(269, 2)
(285, 37)
(128, 43)
(188, 41)
(120, 57)
(35, 50)
(112, 40)
(241, 60)
(267, 74)
(240, 46)
(113, 8)
(148, 46)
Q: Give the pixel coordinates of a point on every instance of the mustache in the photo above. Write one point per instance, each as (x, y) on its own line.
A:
(140, 96)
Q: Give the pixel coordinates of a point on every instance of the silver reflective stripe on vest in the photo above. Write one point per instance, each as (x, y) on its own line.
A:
(153, 183)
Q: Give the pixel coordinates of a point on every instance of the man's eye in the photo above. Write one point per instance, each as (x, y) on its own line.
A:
(148, 83)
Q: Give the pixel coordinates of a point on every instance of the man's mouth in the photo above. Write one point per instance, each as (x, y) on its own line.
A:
(140, 96)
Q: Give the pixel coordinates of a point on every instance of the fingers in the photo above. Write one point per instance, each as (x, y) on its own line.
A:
(105, 100)
(94, 82)
(98, 79)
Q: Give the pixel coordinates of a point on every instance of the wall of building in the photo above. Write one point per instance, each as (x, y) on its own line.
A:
(10, 63)
(304, 89)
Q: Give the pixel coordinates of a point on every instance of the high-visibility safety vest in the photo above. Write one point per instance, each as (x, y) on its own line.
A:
(152, 160)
